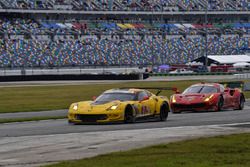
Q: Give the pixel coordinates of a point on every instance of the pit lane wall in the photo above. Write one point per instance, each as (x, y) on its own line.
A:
(135, 76)
(108, 73)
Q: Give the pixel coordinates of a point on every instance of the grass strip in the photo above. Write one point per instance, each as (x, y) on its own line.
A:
(25, 99)
(30, 119)
(222, 151)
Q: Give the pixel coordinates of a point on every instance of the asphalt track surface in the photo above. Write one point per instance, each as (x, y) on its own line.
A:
(174, 120)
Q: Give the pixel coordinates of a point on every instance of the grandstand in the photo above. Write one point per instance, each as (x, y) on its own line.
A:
(128, 5)
(49, 33)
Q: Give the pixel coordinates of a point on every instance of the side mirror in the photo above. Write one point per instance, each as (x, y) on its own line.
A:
(93, 98)
(226, 90)
(176, 90)
(145, 98)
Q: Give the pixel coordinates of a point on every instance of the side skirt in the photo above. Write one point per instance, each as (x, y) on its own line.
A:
(147, 117)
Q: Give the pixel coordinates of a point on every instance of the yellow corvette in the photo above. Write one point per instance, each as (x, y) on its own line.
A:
(121, 105)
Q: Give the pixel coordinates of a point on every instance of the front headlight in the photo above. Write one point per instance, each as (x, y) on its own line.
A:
(75, 106)
(114, 107)
(209, 98)
(173, 99)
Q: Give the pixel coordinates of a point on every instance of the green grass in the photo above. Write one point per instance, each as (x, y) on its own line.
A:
(222, 151)
(10, 120)
(41, 98)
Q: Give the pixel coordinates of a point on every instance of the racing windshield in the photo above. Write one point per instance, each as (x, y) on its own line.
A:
(108, 97)
(200, 89)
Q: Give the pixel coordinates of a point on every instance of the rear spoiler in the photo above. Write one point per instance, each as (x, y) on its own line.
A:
(244, 86)
(159, 89)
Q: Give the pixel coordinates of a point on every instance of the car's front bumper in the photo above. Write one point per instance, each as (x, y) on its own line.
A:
(200, 106)
(95, 118)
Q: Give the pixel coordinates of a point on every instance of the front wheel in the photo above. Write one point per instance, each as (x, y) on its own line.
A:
(129, 115)
(220, 104)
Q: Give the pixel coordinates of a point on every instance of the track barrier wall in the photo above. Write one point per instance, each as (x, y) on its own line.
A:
(136, 76)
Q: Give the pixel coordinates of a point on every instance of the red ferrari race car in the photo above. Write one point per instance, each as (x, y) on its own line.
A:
(207, 97)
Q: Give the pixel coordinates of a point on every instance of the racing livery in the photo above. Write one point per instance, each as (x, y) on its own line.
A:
(124, 104)
(207, 97)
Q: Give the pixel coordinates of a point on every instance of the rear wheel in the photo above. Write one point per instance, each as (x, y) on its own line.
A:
(129, 115)
(241, 103)
(164, 112)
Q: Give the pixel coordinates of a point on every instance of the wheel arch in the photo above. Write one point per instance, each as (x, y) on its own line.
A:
(220, 96)
(165, 103)
(129, 114)
(162, 103)
(242, 95)
(129, 108)
(219, 108)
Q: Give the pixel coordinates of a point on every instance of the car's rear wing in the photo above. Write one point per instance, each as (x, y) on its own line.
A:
(159, 89)
(244, 86)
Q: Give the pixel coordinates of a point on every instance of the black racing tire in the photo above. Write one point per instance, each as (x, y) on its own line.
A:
(220, 103)
(241, 103)
(70, 122)
(164, 112)
(129, 115)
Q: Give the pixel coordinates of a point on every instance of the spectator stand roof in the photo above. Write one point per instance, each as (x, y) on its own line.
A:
(224, 59)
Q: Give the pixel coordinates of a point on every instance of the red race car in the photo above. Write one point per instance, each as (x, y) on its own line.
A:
(207, 97)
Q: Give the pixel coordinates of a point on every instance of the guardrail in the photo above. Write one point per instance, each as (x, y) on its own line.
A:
(242, 76)
(67, 71)
(190, 74)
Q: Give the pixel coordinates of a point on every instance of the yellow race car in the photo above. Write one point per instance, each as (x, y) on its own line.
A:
(121, 105)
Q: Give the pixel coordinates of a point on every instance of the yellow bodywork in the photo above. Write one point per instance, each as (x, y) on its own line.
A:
(114, 111)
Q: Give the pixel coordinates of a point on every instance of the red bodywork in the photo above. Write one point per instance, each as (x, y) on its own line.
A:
(209, 101)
